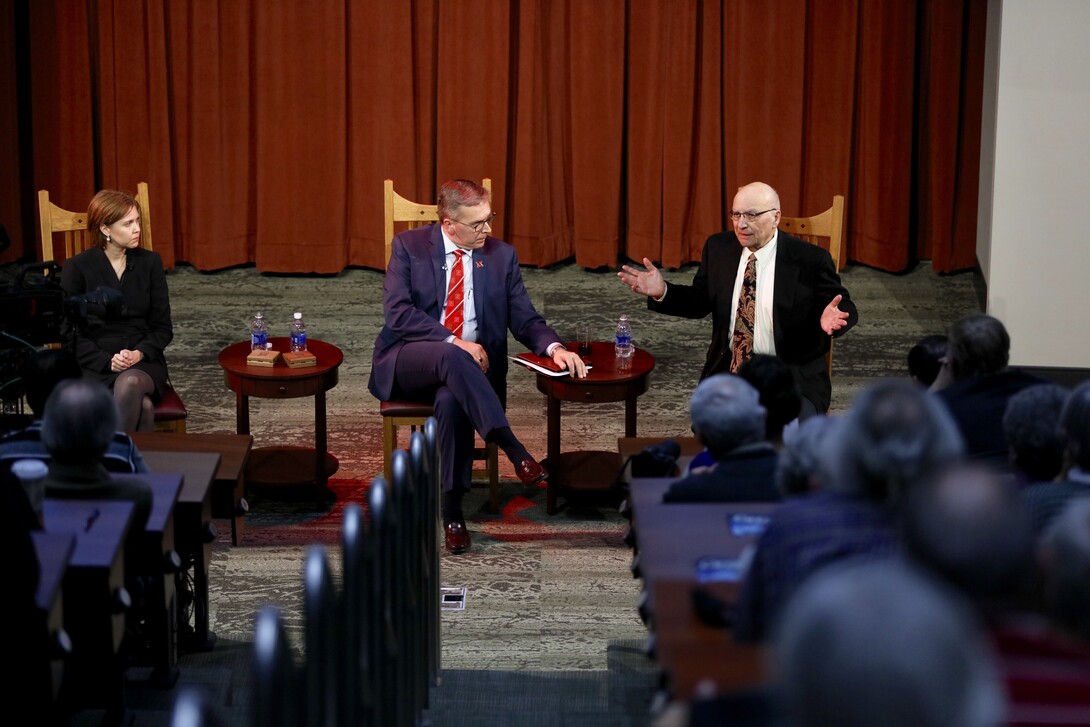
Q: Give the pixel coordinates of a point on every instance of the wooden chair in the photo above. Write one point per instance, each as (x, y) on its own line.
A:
(825, 230)
(170, 412)
(395, 414)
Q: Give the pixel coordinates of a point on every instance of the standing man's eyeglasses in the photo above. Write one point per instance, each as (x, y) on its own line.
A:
(750, 216)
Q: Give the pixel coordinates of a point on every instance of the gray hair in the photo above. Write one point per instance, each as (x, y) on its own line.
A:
(79, 421)
(894, 434)
(726, 413)
(1075, 426)
(1031, 424)
(880, 643)
(1066, 545)
(802, 466)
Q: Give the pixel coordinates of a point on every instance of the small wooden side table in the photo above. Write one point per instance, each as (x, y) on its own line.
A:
(591, 471)
(282, 465)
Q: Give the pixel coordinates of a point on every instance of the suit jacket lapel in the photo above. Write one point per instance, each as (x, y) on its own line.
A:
(439, 259)
(480, 285)
(787, 277)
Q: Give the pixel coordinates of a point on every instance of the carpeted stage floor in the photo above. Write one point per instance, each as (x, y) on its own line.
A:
(550, 631)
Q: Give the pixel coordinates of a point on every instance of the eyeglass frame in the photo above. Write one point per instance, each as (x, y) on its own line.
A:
(477, 227)
(750, 216)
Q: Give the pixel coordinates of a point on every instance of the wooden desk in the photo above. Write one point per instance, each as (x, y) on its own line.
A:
(281, 465)
(709, 555)
(194, 535)
(94, 579)
(54, 551)
(692, 653)
(229, 484)
(591, 471)
(159, 572)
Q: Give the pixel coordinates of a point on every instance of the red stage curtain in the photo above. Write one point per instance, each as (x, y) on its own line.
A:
(611, 130)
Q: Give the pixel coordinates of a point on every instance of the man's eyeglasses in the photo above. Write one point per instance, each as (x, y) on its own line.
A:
(477, 226)
(750, 216)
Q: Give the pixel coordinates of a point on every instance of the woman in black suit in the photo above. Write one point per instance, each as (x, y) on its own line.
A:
(122, 346)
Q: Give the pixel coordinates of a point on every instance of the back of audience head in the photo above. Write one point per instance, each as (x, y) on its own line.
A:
(802, 467)
(968, 525)
(978, 345)
(894, 434)
(925, 359)
(1031, 425)
(1075, 427)
(775, 385)
(42, 372)
(726, 413)
(880, 644)
(79, 422)
(1065, 561)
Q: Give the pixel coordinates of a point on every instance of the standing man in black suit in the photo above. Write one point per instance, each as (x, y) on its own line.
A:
(450, 350)
(799, 300)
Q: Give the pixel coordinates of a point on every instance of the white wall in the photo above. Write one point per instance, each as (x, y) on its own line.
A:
(1035, 179)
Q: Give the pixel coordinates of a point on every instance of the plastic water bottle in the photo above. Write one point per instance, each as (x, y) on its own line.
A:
(623, 343)
(259, 333)
(298, 333)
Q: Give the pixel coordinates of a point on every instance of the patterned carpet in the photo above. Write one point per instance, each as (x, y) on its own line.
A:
(544, 593)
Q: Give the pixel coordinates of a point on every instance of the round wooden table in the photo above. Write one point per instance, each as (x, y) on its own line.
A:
(591, 471)
(284, 465)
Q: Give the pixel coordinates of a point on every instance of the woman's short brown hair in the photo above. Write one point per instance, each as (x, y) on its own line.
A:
(107, 207)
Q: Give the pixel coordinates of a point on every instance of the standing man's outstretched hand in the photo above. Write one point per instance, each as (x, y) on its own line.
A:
(646, 282)
(832, 318)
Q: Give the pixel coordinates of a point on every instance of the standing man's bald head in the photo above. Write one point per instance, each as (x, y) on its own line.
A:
(756, 214)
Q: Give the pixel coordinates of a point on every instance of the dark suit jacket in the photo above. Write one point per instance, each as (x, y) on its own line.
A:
(748, 475)
(977, 405)
(143, 323)
(414, 293)
(806, 281)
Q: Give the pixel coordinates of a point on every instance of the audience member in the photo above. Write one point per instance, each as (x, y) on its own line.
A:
(880, 644)
(894, 434)
(975, 385)
(41, 373)
(729, 420)
(78, 425)
(1065, 556)
(772, 379)
(1046, 499)
(779, 395)
(1031, 425)
(968, 526)
(802, 467)
(925, 359)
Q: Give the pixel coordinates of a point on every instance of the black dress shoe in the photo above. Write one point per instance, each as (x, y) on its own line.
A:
(530, 472)
(457, 537)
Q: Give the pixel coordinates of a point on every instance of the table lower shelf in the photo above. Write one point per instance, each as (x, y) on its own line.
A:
(290, 467)
(587, 475)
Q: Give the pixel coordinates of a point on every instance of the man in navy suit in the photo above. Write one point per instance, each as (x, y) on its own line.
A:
(800, 303)
(418, 357)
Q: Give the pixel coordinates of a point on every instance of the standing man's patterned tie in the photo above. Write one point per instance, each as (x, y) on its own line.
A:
(742, 343)
(454, 314)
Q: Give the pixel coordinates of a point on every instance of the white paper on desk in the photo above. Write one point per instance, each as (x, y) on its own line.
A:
(540, 369)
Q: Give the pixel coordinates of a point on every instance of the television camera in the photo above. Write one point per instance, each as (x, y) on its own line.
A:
(35, 313)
